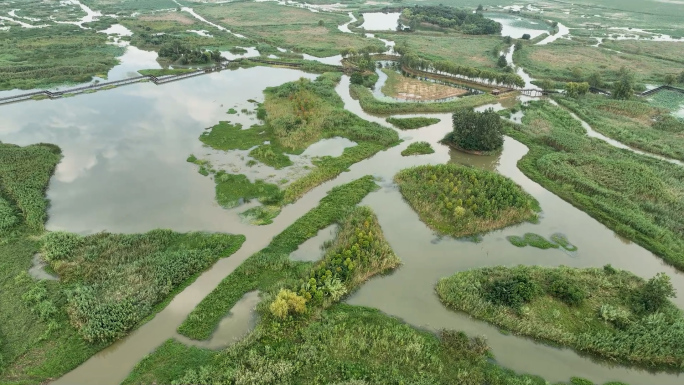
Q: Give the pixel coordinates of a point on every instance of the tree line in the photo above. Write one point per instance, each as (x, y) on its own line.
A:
(412, 60)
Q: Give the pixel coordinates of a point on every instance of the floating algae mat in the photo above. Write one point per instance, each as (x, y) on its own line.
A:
(558, 240)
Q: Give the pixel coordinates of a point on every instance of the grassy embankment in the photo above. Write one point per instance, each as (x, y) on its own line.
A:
(404, 87)
(412, 123)
(461, 201)
(418, 148)
(288, 27)
(372, 105)
(56, 55)
(107, 283)
(631, 122)
(269, 268)
(604, 312)
(296, 115)
(638, 197)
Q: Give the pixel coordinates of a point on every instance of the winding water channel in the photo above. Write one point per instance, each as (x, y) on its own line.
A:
(124, 170)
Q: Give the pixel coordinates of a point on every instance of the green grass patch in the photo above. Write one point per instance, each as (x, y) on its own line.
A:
(372, 105)
(636, 196)
(272, 265)
(168, 362)
(288, 27)
(271, 155)
(234, 189)
(594, 311)
(60, 54)
(462, 201)
(412, 123)
(261, 215)
(227, 136)
(671, 100)
(558, 60)
(418, 148)
(632, 122)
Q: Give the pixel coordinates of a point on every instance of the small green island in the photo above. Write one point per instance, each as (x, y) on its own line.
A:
(412, 123)
(478, 133)
(462, 201)
(608, 313)
(418, 148)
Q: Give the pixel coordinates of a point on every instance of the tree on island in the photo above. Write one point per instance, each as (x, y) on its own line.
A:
(502, 62)
(526, 36)
(476, 131)
(624, 87)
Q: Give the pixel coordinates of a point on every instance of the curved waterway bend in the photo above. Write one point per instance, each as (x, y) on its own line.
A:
(138, 159)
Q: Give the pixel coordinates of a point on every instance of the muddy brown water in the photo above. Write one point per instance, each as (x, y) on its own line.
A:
(124, 170)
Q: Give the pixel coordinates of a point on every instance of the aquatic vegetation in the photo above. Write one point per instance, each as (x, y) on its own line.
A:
(418, 148)
(372, 105)
(635, 123)
(270, 155)
(270, 267)
(531, 239)
(536, 240)
(261, 215)
(636, 196)
(233, 189)
(227, 136)
(594, 311)
(232, 111)
(562, 241)
(412, 123)
(463, 201)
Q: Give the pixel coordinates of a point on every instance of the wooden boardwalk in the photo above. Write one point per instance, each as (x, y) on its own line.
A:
(157, 80)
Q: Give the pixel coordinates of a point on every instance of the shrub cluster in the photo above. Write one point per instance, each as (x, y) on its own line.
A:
(112, 281)
(476, 131)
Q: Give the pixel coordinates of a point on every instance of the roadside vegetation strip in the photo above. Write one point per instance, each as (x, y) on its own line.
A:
(412, 123)
(107, 283)
(462, 202)
(272, 265)
(636, 196)
(372, 105)
(418, 148)
(634, 123)
(602, 312)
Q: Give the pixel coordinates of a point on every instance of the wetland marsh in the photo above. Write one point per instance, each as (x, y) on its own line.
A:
(342, 214)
